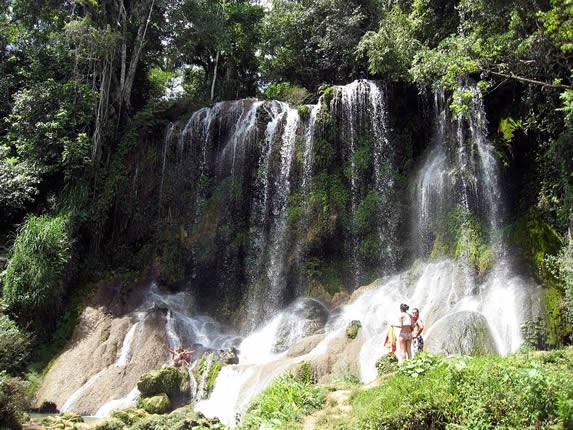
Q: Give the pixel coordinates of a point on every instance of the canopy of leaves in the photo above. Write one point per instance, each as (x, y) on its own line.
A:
(309, 43)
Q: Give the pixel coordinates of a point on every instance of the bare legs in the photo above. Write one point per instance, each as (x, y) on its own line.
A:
(405, 348)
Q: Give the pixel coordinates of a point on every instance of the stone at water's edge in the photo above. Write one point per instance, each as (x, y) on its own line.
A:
(463, 332)
(92, 356)
(158, 404)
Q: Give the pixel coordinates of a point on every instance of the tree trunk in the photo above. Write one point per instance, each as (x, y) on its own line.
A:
(134, 61)
(215, 75)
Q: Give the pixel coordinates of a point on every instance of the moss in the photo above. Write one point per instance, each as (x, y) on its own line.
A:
(158, 404)
(557, 327)
(168, 379)
(462, 236)
(536, 239)
(325, 276)
(328, 95)
(110, 424)
(295, 208)
(303, 111)
(352, 329)
(129, 416)
(213, 373)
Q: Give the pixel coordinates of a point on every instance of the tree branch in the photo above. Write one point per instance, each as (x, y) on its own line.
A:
(531, 81)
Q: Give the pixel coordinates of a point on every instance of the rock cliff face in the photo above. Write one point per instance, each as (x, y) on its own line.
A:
(252, 203)
(102, 362)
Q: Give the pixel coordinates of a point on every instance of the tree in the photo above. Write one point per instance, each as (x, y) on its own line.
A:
(309, 43)
(221, 37)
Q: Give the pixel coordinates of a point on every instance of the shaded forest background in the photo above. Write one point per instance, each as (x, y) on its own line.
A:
(84, 84)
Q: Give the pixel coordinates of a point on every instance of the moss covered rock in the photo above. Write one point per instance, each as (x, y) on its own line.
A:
(352, 329)
(129, 416)
(169, 379)
(158, 404)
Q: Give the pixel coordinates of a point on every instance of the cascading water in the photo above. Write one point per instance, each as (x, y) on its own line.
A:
(261, 153)
(365, 134)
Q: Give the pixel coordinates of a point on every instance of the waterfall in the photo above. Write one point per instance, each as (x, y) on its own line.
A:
(365, 132)
(245, 159)
(123, 358)
(275, 270)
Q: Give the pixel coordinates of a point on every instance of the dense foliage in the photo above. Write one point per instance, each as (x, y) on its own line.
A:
(13, 401)
(34, 285)
(14, 346)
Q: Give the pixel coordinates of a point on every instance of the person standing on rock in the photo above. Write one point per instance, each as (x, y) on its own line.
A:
(405, 336)
(417, 328)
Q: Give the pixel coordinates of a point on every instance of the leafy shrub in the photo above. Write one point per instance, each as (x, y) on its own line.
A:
(420, 364)
(386, 364)
(34, 282)
(47, 122)
(285, 401)
(14, 346)
(19, 187)
(13, 401)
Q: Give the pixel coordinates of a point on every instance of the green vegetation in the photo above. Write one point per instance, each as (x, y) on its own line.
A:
(353, 328)
(13, 400)
(14, 346)
(463, 392)
(170, 380)
(462, 236)
(34, 285)
(87, 87)
(284, 403)
(182, 419)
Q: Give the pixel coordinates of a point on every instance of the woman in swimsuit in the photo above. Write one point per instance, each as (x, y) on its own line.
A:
(405, 336)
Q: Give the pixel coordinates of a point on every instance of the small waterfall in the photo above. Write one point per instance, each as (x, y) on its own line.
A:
(268, 218)
(490, 191)
(433, 182)
(361, 107)
(348, 107)
(242, 115)
(123, 358)
(275, 270)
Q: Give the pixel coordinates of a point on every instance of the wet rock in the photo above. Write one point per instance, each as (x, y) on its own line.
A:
(230, 356)
(305, 345)
(95, 354)
(463, 332)
(352, 329)
(305, 317)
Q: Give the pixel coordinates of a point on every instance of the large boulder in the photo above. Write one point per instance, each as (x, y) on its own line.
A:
(174, 381)
(464, 332)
